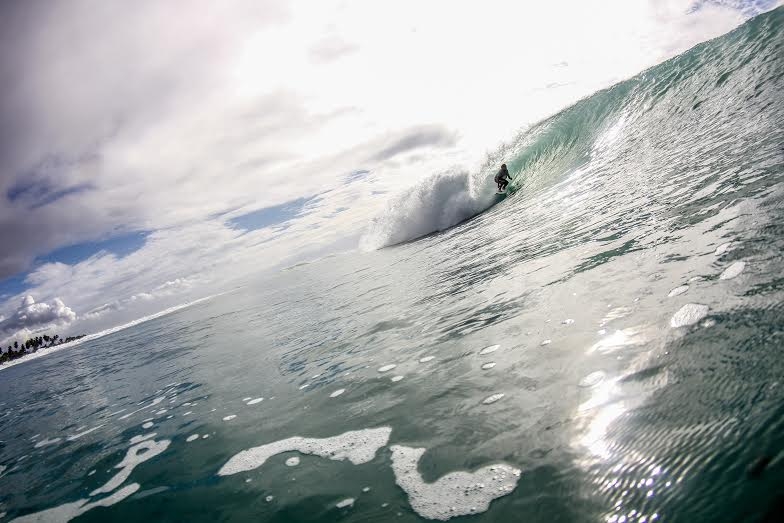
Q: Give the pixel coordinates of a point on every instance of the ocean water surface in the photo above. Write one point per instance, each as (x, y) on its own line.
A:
(604, 344)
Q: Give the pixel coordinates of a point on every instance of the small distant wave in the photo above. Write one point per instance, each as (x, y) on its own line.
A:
(435, 203)
(101, 334)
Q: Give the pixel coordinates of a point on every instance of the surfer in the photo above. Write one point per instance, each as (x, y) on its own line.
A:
(502, 178)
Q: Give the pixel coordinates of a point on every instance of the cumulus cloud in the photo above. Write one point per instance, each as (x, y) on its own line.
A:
(32, 316)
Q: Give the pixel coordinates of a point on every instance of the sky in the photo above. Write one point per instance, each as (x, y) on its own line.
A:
(155, 152)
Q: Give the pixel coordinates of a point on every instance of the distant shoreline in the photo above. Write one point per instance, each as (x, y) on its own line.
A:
(89, 337)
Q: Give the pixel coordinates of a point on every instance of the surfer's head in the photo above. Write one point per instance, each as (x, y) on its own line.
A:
(503, 166)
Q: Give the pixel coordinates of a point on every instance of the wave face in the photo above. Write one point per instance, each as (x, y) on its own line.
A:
(699, 100)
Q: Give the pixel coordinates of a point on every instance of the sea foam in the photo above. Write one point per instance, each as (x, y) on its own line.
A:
(455, 494)
(357, 446)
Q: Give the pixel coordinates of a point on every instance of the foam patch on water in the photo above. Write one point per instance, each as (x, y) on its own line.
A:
(136, 455)
(337, 393)
(489, 350)
(733, 270)
(455, 494)
(246, 399)
(489, 365)
(357, 446)
(192, 437)
(256, 400)
(689, 314)
(148, 425)
(546, 342)
(269, 498)
(387, 368)
(677, 291)
(493, 398)
(229, 417)
(292, 461)
(567, 321)
(426, 359)
(46, 442)
(397, 378)
(144, 437)
(69, 511)
(348, 502)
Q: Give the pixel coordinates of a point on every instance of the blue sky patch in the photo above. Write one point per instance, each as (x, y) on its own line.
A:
(120, 246)
(271, 216)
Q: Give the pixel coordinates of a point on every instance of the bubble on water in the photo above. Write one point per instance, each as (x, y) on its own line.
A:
(488, 350)
(205, 436)
(592, 379)
(256, 400)
(384, 505)
(387, 368)
(137, 454)
(489, 365)
(492, 399)
(397, 378)
(357, 446)
(689, 314)
(348, 502)
(46, 442)
(678, 291)
(721, 249)
(148, 425)
(733, 270)
(292, 461)
(337, 393)
(365, 489)
(143, 437)
(546, 342)
(269, 498)
(229, 417)
(567, 321)
(192, 437)
(426, 359)
(455, 494)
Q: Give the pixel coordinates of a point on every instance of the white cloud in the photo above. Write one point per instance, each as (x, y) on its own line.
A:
(32, 316)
